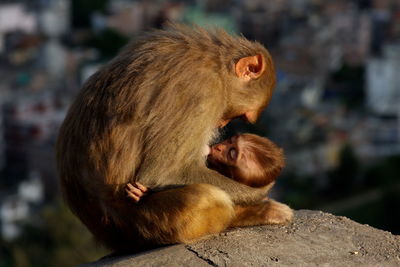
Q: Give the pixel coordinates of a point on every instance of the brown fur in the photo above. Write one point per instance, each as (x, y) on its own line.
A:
(266, 155)
(258, 164)
(146, 116)
(270, 212)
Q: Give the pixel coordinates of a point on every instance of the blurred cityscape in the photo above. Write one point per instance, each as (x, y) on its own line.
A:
(335, 111)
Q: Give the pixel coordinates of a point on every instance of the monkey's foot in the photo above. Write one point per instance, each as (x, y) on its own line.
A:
(267, 212)
(277, 213)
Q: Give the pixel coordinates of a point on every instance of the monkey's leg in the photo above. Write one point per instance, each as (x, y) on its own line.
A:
(183, 215)
(268, 212)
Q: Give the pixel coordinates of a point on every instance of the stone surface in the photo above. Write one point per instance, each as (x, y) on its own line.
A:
(313, 239)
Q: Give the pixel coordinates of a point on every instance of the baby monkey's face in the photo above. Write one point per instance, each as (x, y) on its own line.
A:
(248, 159)
(227, 152)
(232, 159)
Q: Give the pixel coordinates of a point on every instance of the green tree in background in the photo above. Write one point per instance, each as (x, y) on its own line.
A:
(384, 173)
(342, 179)
(350, 79)
(83, 9)
(59, 240)
(108, 42)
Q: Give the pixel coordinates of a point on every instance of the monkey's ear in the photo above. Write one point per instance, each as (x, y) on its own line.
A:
(248, 68)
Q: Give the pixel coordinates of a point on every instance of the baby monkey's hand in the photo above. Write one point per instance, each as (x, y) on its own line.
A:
(136, 192)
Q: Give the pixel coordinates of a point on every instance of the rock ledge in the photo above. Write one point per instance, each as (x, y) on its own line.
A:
(313, 239)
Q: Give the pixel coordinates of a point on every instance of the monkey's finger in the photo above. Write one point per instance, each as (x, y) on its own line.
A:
(141, 187)
(135, 190)
(132, 195)
(135, 198)
(129, 185)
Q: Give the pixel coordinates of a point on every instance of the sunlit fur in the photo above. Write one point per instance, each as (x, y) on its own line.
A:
(146, 116)
(259, 160)
(269, 212)
(263, 158)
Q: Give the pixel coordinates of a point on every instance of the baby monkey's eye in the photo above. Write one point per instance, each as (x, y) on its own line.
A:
(232, 153)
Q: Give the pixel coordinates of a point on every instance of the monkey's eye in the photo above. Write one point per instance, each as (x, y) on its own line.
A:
(232, 139)
(232, 154)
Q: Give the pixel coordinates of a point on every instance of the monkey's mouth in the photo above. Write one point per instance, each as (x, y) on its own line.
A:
(224, 122)
(221, 136)
(211, 163)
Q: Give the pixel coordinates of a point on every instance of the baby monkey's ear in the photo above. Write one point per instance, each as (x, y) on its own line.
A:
(249, 68)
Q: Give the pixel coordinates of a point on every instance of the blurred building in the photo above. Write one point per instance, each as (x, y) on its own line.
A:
(2, 141)
(383, 82)
(16, 17)
(12, 211)
(127, 17)
(16, 208)
(54, 17)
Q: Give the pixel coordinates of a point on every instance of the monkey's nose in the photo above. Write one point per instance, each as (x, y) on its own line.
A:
(218, 147)
(251, 116)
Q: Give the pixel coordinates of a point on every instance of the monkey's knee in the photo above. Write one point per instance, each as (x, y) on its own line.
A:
(184, 214)
(211, 212)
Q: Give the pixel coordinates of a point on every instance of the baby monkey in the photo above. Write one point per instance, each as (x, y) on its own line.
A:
(246, 158)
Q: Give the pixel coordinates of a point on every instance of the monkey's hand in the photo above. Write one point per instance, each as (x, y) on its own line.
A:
(136, 192)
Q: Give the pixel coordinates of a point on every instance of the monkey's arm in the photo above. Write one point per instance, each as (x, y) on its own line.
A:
(239, 193)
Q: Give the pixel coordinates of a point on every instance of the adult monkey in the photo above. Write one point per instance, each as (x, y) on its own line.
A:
(146, 116)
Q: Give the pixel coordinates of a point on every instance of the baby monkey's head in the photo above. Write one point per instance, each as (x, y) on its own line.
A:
(247, 158)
